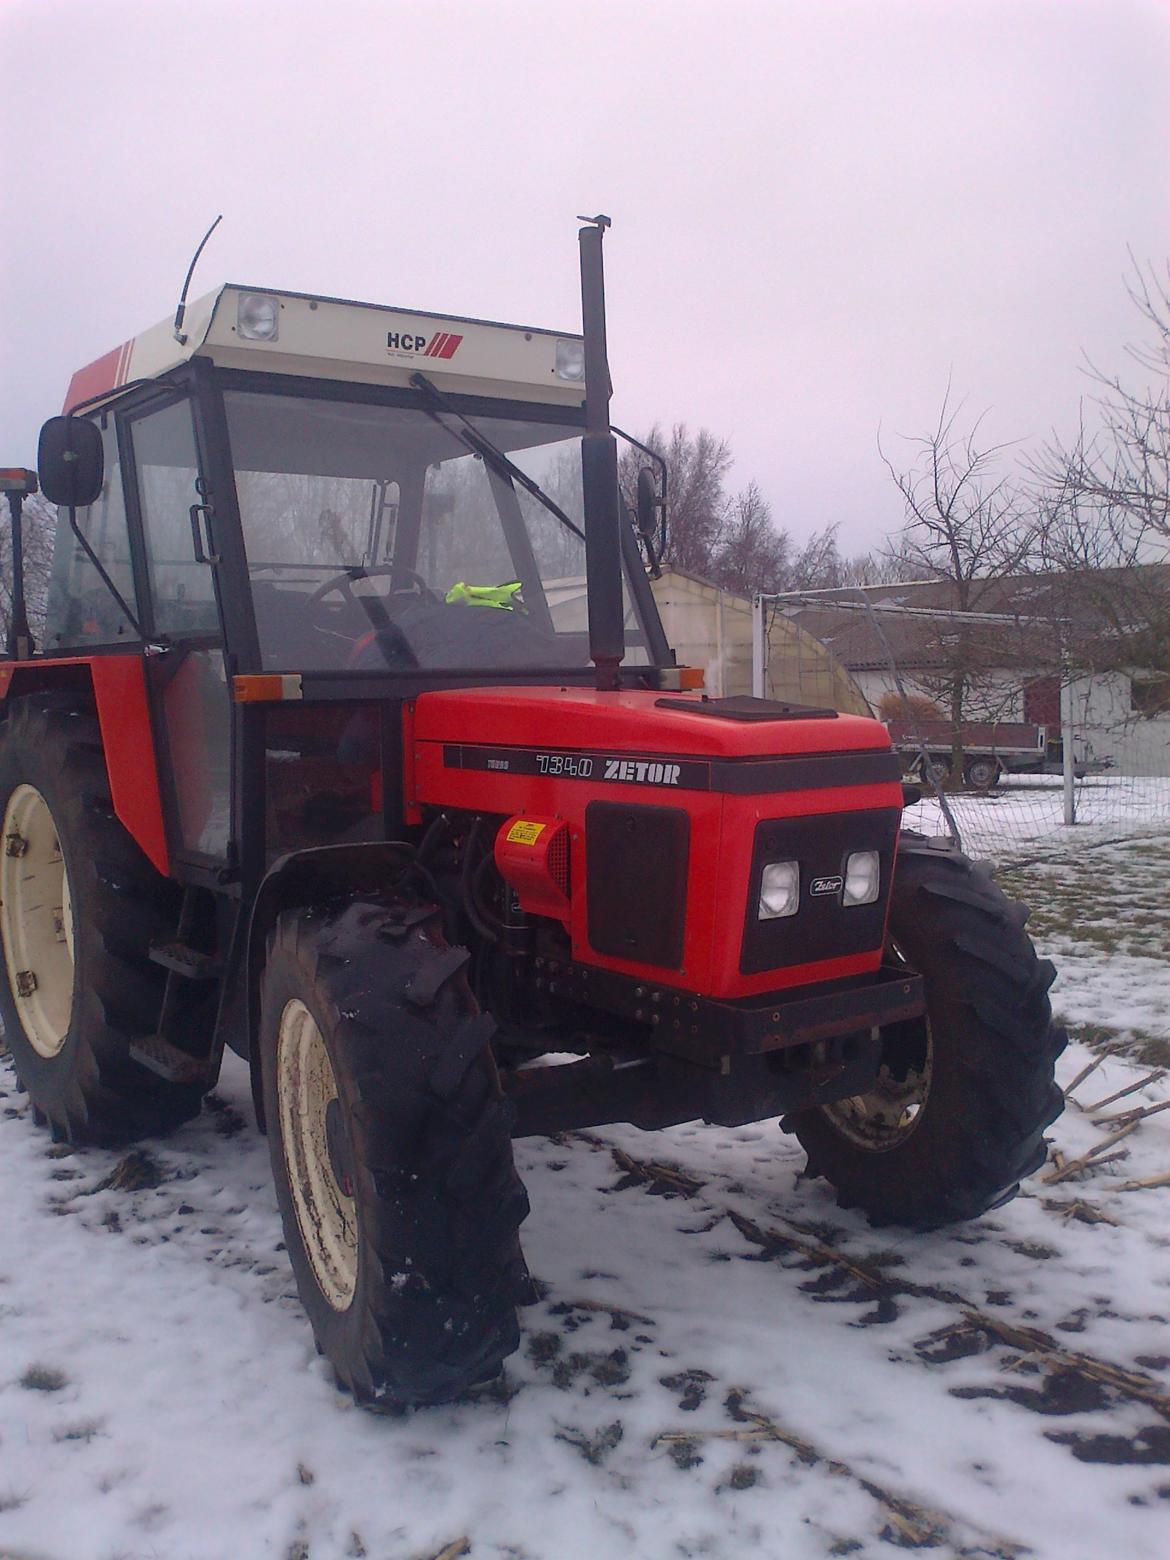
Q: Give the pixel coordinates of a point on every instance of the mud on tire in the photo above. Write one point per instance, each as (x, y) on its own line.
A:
(979, 1128)
(405, 1246)
(89, 1089)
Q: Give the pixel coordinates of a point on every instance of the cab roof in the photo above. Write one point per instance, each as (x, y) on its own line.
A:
(340, 339)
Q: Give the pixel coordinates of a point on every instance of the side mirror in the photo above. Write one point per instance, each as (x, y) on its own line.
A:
(71, 461)
(648, 502)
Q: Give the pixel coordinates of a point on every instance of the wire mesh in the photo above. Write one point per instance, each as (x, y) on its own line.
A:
(1023, 695)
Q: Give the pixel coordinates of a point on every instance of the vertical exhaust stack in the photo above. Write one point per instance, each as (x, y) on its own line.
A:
(603, 547)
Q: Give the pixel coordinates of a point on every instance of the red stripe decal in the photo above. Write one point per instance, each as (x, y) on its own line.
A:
(450, 346)
(101, 374)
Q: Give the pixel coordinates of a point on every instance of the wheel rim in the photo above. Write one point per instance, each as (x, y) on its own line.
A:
(326, 1213)
(890, 1113)
(36, 920)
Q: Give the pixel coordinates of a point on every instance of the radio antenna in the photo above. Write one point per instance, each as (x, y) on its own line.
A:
(180, 335)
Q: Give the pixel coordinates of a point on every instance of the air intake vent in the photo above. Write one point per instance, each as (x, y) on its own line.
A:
(532, 854)
(557, 860)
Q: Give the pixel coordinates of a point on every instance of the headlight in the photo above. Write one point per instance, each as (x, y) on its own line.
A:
(779, 890)
(258, 317)
(862, 878)
(570, 360)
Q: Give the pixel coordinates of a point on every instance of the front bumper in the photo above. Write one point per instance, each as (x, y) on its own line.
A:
(707, 1030)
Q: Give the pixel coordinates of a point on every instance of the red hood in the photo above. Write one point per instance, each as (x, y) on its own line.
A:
(630, 722)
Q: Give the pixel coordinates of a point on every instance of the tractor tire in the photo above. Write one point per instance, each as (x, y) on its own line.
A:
(391, 1152)
(957, 1115)
(982, 773)
(79, 907)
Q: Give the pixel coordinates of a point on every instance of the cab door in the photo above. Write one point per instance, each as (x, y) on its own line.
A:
(183, 525)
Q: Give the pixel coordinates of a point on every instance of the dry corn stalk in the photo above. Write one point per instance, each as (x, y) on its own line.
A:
(1090, 1067)
(1155, 1077)
(1073, 1165)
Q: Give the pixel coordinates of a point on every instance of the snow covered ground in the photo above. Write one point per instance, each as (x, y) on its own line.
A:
(1025, 813)
(723, 1363)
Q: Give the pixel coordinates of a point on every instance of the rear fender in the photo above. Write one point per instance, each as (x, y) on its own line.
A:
(117, 686)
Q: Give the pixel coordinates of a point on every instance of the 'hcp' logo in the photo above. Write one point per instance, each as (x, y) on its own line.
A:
(441, 345)
(826, 885)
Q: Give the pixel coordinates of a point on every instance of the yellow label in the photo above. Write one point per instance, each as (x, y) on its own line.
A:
(525, 833)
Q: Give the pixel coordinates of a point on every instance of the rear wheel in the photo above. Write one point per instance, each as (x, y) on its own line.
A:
(391, 1152)
(79, 906)
(956, 1116)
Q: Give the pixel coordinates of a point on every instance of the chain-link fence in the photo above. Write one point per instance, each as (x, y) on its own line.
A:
(1021, 733)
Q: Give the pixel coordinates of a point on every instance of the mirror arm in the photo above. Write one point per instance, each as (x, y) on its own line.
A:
(664, 473)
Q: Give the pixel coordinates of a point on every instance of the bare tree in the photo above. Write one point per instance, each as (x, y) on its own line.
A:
(752, 554)
(1121, 469)
(698, 465)
(886, 566)
(38, 529)
(818, 565)
(966, 523)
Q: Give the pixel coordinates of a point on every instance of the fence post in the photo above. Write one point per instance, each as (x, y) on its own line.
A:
(1066, 742)
(759, 647)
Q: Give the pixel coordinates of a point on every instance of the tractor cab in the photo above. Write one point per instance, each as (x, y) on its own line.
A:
(363, 501)
(327, 486)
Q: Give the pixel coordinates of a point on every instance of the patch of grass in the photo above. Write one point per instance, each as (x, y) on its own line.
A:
(1109, 904)
(137, 1172)
(594, 1448)
(1137, 1045)
(83, 1430)
(44, 1378)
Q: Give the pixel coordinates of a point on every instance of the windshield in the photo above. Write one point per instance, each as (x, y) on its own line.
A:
(378, 539)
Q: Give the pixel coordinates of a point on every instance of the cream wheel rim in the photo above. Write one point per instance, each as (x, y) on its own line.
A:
(891, 1112)
(326, 1213)
(36, 920)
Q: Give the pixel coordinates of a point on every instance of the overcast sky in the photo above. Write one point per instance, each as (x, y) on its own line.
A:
(820, 210)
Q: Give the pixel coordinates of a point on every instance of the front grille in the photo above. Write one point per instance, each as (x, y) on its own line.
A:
(822, 928)
(636, 881)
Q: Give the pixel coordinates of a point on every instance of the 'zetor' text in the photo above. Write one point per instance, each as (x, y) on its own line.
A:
(641, 772)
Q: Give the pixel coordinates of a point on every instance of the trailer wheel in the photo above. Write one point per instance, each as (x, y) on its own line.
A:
(934, 770)
(79, 907)
(982, 773)
(391, 1152)
(956, 1117)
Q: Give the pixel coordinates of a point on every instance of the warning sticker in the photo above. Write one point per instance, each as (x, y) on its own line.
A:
(523, 832)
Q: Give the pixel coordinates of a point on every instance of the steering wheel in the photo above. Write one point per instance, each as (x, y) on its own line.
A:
(375, 609)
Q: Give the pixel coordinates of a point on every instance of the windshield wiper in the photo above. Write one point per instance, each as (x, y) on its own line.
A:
(483, 446)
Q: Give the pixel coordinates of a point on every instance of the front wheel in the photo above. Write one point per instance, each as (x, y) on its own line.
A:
(982, 773)
(391, 1153)
(956, 1116)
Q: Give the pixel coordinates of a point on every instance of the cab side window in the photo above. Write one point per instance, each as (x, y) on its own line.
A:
(165, 459)
(80, 609)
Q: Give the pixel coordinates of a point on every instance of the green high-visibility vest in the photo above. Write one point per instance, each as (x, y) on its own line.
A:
(484, 595)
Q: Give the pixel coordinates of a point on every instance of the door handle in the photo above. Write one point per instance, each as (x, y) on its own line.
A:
(201, 556)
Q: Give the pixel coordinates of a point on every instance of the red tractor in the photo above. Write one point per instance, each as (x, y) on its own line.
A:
(354, 743)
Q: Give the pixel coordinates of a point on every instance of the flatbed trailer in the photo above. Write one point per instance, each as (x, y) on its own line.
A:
(990, 749)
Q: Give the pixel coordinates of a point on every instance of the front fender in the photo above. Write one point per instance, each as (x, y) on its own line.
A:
(300, 880)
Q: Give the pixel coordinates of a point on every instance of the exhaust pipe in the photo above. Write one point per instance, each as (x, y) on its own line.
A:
(599, 475)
